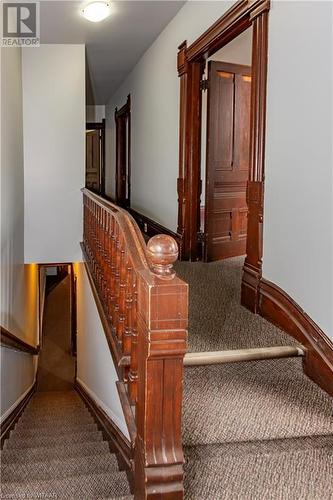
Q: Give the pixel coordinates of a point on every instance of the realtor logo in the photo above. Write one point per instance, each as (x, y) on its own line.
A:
(20, 24)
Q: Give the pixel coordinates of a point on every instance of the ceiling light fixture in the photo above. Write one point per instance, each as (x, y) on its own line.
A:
(96, 11)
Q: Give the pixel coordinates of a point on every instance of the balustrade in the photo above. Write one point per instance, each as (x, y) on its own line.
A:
(146, 305)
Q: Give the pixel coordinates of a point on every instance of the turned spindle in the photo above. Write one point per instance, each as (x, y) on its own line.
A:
(162, 252)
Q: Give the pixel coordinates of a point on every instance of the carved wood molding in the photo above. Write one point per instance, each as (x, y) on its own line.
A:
(232, 23)
(279, 308)
(162, 345)
(13, 342)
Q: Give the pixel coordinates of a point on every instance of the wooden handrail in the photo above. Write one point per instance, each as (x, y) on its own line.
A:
(146, 305)
(13, 342)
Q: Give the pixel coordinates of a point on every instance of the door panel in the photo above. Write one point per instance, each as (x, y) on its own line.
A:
(93, 160)
(227, 160)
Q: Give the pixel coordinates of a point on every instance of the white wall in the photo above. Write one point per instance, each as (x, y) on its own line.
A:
(154, 88)
(298, 234)
(95, 113)
(54, 151)
(98, 377)
(19, 290)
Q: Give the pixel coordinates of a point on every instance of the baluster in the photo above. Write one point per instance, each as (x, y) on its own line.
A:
(133, 374)
(117, 285)
(113, 271)
(122, 292)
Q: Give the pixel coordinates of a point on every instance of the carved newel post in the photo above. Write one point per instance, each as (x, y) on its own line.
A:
(162, 338)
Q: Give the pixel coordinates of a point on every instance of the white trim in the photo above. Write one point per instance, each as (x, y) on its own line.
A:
(17, 402)
(116, 420)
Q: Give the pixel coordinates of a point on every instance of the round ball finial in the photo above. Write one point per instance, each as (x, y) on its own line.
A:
(163, 252)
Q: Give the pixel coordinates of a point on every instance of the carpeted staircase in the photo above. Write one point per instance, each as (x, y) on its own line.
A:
(57, 451)
(253, 430)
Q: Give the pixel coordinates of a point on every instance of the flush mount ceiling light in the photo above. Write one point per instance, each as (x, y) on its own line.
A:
(96, 11)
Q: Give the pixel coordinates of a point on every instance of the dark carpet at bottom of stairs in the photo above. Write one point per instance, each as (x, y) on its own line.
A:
(288, 469)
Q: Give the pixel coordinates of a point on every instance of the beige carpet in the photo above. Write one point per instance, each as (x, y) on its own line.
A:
(254, 430)
(56, 451)
(217, 321)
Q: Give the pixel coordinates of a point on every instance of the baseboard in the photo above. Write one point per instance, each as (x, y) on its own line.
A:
(279, 308)
(120, 444)
(150, 228)
(11, 416)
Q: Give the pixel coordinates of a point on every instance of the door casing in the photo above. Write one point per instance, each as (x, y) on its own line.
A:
(190, 63)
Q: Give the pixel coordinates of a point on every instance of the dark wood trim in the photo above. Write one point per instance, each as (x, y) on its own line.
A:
(190, 65)
(123, 149)
(13, 342)
(127, 409)
(8, 424)
(151, 228)
(95, 125)
(118, 442)
(100, 126)
(279, 308)
(237, 19)
(119, 360)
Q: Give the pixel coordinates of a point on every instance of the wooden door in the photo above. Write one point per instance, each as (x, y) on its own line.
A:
(93, 160)
(227, 159)
(123, 154)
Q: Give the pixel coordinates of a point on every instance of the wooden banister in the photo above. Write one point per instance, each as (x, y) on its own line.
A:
(13, 342)
(147, 308)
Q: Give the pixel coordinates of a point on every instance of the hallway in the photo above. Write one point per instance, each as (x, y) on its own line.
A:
(56, 365)
(263, 420)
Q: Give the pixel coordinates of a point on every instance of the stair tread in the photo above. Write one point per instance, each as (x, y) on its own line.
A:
(46, 441)
(23, 432)
(291, 468)
(57, 469)
(15, 455)
(56, 422)
(260, 400)
(83, 486)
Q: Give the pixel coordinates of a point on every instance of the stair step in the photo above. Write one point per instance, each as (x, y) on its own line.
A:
(23, 433)
(63, 451)
(269, 399)
(57, 423)
(58, 469)
(47, 441)
(85, 487)
(237, 355)
(55, 417)
(289, 468)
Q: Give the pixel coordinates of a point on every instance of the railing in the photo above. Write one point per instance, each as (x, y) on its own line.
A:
(147, 309)
(13, 342)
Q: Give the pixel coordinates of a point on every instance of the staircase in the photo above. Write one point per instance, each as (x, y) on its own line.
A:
(57, 451)
(254, 426)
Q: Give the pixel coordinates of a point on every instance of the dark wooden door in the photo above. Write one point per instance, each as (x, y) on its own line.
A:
(123, 154)
(93, 160)
(227, 159)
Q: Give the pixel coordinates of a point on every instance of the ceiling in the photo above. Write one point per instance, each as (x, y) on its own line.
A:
(113, 46)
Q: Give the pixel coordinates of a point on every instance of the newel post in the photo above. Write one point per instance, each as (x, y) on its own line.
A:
(162, 338)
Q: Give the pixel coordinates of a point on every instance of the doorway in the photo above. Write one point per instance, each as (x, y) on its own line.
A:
(191, 64)
(95, 157)
(56, 363)
(226, 151)
(123, 154)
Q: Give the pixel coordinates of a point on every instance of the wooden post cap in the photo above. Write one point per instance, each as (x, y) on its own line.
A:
(163, 252)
